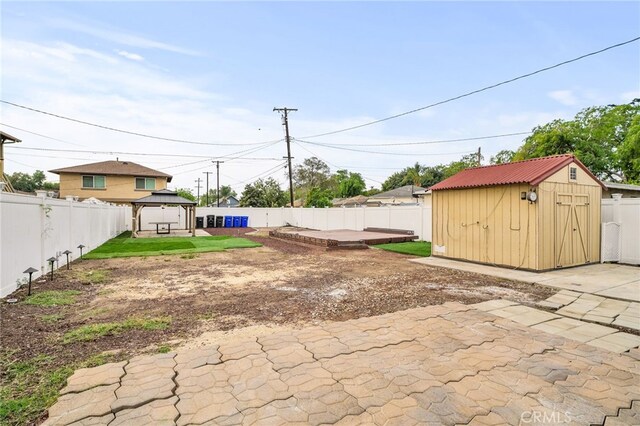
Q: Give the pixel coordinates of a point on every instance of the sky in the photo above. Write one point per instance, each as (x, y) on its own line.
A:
(212, 72)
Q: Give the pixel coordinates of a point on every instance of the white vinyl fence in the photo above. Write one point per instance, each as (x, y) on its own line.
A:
(33, 229)
(621, 230)
(411, 218)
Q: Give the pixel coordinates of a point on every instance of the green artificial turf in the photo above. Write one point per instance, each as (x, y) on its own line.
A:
(124, 246)
(416, 248)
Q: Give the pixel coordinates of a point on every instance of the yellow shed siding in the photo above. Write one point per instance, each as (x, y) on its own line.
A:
(556, 184)
(488, 225)
(118, 188)
(494, 225)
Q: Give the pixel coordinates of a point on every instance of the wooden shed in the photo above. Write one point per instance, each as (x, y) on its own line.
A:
(537, 214)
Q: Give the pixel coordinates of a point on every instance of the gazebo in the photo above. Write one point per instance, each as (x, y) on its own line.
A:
(163, 197)
(5, 139)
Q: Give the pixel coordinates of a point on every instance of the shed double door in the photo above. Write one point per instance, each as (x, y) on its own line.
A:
(572, 229)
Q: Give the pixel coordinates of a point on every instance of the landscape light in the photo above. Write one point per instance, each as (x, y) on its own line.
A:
(51, 260)
(81, 247)
(67, 252)
(30, 271)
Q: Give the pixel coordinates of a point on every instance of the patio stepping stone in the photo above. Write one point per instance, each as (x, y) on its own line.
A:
(483, 364)
(146, 379)
(87, 378)
(161, 412)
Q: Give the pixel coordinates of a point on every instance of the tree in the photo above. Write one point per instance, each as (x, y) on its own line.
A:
(604, 138)
(29, 183)
(349, 184)
(467, 161)
(413, 175)
(318, 198)
(312, 173)
(225, 191)
(371, 191)
(418, 175)
(396, 180)
(186, 193)
(502, 157)
(263, 193)
(629, 153)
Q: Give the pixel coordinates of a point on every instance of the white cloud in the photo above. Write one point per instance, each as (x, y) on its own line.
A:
(565, 97)
(627, 97)
(129, 55)
(120, 37)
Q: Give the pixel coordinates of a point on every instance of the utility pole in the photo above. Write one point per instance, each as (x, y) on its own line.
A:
(198, 186)
(285, 120)
(218, 181)
(207, 194)
(479, 155)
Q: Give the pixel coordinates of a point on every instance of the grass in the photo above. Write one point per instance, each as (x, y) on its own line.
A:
(31, 386)
(95, 276)
(123, 246)
(415, 248)
(52, 318)
(91, 332)
(163, 349)
(53, 298)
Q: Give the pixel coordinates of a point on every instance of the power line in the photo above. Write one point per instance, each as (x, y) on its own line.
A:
(128, 132)
(338, 167)
(146, 154)
(40, 134)
(413, 154)
(246, 152)
(263, 174)
(285, 121)
(476, 138)
(473, 92)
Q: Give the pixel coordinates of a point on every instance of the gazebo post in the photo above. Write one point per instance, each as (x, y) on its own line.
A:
(193, 220)
(134, 220)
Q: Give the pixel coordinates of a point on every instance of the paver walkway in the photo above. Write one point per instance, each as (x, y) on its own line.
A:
(592, 334)
(448, 364)
(595, 308)
(604, 279)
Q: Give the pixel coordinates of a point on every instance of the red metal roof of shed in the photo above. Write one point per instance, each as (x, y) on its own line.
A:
(531, 171)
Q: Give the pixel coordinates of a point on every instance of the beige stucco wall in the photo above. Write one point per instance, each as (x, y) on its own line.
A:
(119, 189)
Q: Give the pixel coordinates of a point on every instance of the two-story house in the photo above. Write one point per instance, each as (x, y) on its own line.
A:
(117, 182)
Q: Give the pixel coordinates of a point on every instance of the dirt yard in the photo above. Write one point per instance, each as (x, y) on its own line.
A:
(210, 295)
(281, 283)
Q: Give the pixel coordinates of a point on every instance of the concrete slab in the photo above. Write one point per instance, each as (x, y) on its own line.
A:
(603, 279)
(617, 342)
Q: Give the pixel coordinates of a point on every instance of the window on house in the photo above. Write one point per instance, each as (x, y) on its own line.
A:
(94, 181)
(145, 183)
(573, 173)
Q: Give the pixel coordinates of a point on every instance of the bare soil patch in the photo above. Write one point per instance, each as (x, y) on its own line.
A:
(214, 296)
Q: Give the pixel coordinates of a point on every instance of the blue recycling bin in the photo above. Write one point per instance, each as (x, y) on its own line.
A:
(228, 221)
(237, 221)
(244, 221)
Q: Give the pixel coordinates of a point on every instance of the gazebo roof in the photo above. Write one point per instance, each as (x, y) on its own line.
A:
(6, 138)
(164, 196)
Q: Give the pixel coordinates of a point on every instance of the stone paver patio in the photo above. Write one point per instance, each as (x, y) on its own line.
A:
(447, 364)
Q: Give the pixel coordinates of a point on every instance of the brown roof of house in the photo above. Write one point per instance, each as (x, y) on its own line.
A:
(126, 168)
(531, 171)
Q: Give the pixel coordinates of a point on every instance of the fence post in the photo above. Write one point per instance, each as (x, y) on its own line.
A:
(617, 214)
